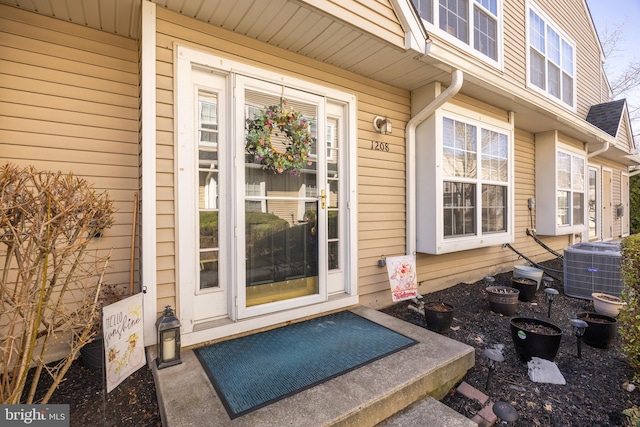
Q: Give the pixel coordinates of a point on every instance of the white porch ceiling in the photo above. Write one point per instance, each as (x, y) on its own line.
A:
(288, 24)
(300, 28)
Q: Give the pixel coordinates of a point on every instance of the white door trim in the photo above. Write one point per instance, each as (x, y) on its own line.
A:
(148, 249)
(186, 58)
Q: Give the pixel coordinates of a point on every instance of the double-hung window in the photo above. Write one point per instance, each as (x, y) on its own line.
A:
(467, 170)
(562, 185)
(551, 58)
(474, 23)
(570, 189)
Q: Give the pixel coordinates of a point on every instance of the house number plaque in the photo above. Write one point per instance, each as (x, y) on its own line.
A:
(380, 146)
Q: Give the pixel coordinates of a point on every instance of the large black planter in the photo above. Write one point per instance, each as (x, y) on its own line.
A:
(438, 316)
(502, 299)
(527, 287)
(93, 353)
(535, 338)
(601, 330)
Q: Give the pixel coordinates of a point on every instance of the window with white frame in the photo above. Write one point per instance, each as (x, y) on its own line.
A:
(468, 171)
(562, 185)
(476, 23)
(475, 179)
(551, 57)
(570, 189)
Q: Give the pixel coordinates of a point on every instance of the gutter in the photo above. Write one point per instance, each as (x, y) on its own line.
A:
(604, 148)
(457, 78)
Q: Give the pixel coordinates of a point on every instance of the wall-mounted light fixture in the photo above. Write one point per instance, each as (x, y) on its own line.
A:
(382, 125)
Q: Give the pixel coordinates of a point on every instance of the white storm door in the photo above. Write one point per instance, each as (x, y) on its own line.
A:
(607, 205)
(624, 197)
(594, 209)
(281, 229)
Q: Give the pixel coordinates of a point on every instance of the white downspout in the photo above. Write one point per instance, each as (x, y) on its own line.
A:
(602, 150)
(456, 83)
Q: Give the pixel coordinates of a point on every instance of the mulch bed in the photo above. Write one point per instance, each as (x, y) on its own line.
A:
(594, 394)
(132, 403)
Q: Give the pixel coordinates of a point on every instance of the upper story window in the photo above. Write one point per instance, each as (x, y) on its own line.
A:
(551, 58)
(475, 23)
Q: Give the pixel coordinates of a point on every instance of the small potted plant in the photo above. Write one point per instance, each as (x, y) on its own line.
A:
(601, 331)
(438, 316)
(535, 338)
(526, 286)
(502, 299)
(606, 304)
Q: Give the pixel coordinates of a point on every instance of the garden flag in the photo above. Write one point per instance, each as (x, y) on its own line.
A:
(123, 341)
(402, 277)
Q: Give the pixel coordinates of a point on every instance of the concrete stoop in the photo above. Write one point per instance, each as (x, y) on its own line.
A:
(418, 376)
(428, 412)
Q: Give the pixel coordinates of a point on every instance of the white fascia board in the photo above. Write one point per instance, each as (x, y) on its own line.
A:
(497, 83)
(415, 35)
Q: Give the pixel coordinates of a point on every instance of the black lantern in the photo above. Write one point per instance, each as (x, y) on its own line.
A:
(168, 327)
(493, 355)
(550, 294)
(579, 326)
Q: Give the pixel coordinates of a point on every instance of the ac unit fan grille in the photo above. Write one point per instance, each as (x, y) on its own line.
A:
(592, 267)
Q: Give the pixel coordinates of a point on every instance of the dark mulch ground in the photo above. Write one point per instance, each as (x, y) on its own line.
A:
(593, 395)
(132, 403)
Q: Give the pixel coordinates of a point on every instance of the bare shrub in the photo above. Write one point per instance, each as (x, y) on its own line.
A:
(49, 273)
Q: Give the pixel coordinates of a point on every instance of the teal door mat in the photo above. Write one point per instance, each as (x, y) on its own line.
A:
(254, 371)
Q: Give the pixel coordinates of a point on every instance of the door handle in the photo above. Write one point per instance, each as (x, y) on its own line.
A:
(323, 198)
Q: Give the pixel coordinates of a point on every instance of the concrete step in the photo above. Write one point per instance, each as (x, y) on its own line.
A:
(428, 412)
(363, 397)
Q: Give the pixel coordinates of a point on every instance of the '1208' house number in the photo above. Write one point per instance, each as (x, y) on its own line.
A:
(380, 146)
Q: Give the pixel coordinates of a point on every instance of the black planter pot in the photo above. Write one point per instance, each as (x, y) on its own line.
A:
(527, 287)
(601, 330)
(529, 341)
(502, 299)
(438, 316)
(93, 353)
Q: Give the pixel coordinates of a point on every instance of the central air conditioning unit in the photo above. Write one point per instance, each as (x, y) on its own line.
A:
(592, 267)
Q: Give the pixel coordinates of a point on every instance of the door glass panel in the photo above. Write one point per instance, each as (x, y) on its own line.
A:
(333, 179)
(578, 208)
(208, 189)
(281, 227)
(563, 208)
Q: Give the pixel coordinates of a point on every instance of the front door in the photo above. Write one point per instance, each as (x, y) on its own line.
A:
(284, 212)
(624, 197)
(252, 241)
(594, 202)
(607, 205)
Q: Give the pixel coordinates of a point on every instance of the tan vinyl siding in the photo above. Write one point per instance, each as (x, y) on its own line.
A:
(572, 18)
(624, 140)
(69, 102)
(374, 17)
(379, 174)
(439, 271)
(436, 272)
(515, 41)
